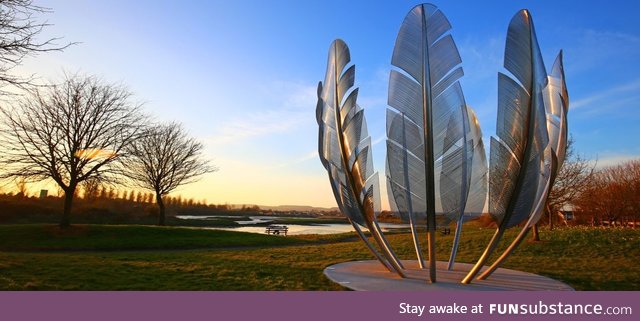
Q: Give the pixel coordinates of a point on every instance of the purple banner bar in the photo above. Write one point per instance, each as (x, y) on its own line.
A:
(325, 306)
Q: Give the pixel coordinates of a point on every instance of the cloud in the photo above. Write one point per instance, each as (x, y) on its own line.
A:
(481, 57)
(290, 94)
(287, 107)
(373, 90)
(255, 124)
(301, 159)
(607, 94)
(592, 49)
(614, 159)
(378, 140)
(372, 102)
(313, 155)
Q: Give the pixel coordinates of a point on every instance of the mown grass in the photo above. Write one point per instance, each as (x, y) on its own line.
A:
(587, 259)
(36, 237)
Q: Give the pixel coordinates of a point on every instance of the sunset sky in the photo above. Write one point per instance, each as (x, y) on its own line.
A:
(242, 75)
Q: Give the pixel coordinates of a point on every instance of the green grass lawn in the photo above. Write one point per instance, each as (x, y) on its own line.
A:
(93, 257)
(39, 238)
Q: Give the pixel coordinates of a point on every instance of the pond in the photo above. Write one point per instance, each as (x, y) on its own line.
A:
(294, 229)
(240, 219)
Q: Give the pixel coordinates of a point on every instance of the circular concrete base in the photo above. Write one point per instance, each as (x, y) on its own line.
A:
(373, 276)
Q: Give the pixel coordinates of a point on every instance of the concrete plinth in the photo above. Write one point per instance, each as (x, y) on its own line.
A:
(372, 276)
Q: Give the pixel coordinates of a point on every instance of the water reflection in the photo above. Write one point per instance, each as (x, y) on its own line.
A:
(294, 229)
(240, 219)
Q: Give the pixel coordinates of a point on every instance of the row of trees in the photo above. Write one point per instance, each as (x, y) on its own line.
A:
(83, 130)
(605, 196)
(16, 208)
(608, 196)
(612, 196)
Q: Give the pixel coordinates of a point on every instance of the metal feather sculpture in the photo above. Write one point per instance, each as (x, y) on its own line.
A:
(427, 133)
(517, 157)
(556, 103)
(344, 147)
(436, 165)
(477, 193)
(557, 106)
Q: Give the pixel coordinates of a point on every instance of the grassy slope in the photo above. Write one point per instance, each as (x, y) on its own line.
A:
(587, 259)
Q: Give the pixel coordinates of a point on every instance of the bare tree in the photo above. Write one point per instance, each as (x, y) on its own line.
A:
(165, 158)
(612, 196)
(19, 30)
(69, 133)
(91, 188)
(634, 173)
(571, 181)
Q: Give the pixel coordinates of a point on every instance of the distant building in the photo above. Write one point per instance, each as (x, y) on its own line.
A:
(43, 193)
(567, 212)
(567, 215)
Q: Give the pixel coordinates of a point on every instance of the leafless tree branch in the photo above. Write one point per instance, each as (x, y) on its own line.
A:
(612, 196)
(572, 180)
(164, 158)
(19, 31)
(70, 133)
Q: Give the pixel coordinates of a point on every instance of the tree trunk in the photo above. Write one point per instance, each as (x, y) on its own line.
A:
(161, 207)
(536, 234)
(65, 222)
(550, 217)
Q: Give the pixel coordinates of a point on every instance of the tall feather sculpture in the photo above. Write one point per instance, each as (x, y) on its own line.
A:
(344, 147)
(557, 106)
(426, 145)
(477, 169)
(556, 103)
(517, 157)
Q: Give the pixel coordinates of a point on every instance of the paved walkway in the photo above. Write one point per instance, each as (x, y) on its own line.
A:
(372, 276)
